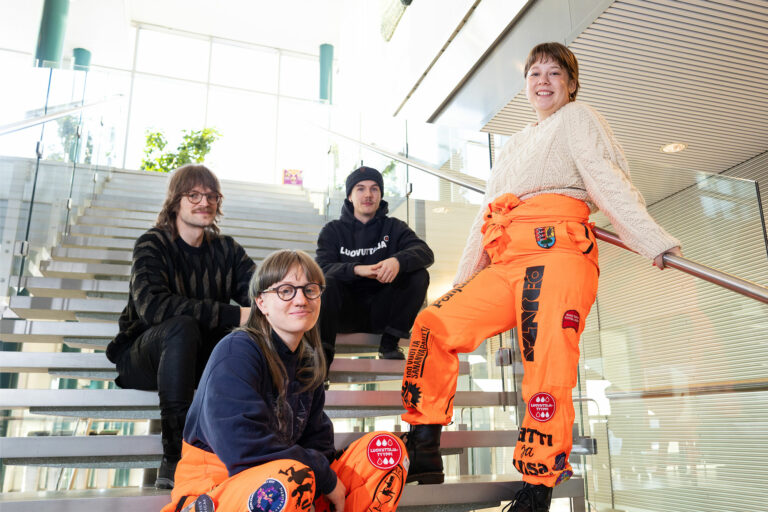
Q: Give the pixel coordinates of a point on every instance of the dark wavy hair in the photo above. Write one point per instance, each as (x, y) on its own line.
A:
(546, 52)
(311, 370)
(184, 179)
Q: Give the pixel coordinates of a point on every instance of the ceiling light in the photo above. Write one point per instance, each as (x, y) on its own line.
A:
(674, 147)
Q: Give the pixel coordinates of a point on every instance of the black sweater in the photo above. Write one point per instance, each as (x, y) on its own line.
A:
(171, 278)
(347, 242)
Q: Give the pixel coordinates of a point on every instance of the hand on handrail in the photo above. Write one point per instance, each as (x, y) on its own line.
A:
(658, 261)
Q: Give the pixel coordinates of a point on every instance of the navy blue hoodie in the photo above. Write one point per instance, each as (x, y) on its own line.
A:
(347, 242)
(232, 412)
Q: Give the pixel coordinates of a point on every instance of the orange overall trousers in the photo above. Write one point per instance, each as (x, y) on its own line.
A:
(372, 469)
(542, 279)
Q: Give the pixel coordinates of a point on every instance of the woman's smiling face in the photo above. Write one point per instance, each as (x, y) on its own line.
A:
(548, 87)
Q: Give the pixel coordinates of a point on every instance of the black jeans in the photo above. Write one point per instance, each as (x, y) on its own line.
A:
(366, 305)
(169, 358)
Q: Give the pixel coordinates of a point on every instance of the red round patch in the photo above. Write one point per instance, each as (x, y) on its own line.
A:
(541, 406)
(384, 451)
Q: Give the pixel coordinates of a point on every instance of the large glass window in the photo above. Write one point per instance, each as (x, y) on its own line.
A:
(247, 68)
(246, 149)
(171, 55)
(300, 76)
(163, 104)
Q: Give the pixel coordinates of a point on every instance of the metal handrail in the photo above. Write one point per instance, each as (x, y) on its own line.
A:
(33, 121)
(709, 274)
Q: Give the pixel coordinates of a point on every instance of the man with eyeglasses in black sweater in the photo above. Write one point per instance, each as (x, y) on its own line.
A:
(184, 276)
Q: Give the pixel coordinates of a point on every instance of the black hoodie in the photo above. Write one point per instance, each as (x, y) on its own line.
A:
(347, 242)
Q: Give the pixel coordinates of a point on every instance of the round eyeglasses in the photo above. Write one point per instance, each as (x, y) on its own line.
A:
(196, 197)
(287, 292)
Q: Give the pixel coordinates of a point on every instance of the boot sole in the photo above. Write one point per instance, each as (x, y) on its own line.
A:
(163, 483)
(426, 478)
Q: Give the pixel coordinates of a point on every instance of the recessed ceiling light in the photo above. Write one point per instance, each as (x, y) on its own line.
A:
(674, 147)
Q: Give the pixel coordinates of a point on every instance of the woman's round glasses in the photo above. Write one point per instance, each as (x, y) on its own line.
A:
(287, 291)
(196, 197)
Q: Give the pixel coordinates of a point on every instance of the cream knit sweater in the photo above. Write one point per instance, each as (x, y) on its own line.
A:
(572, 152)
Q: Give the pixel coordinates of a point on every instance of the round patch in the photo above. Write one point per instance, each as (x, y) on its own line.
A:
(384, 451)
(541, 406)
(270, 497)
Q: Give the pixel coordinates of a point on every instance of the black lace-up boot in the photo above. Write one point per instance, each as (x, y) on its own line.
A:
(531, 498)
(423, 445)
(389, 349)
(171, 435)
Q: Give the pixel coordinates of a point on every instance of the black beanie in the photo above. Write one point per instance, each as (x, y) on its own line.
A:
(362, 174)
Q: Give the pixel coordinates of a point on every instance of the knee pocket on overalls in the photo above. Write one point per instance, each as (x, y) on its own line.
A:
(292, 481)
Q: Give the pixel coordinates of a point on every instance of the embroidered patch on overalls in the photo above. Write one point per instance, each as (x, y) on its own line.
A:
(571, 319)
(559, 462)
(565, 475)
(384, 451)
(541, 406)
(545, 236)
(271, 496)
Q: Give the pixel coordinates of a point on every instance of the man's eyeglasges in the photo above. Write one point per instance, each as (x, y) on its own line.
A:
(196, 197)
(287, 292)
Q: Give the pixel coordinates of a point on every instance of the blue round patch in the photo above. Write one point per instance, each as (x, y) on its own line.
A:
(270, 497)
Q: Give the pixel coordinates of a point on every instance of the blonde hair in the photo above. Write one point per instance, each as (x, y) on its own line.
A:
(311, 370)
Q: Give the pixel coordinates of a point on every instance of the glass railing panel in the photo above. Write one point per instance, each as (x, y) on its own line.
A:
(674, 367)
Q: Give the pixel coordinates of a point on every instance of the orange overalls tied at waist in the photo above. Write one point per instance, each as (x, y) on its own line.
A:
(543, 280)
(373, 470)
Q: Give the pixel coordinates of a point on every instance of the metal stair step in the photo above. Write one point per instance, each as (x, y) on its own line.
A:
(69, 269)
(134, 404)
(113, 451)
(98, 367)
(73, 288)
(95, 217)
(247, 238)
(57, 308)
(246, 211)
(75, 334)
(233, 198)
(456, 495)
(87, 247)
(96, 335)
(230, 218)
(244, 236)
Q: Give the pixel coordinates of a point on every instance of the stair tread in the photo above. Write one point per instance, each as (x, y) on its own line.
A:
(118, 398)
(456, 490)
(57, 362)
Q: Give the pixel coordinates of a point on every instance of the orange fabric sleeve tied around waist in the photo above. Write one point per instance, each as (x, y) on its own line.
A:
(497, 218)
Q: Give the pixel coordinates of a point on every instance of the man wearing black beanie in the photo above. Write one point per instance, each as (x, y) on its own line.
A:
(375, 269)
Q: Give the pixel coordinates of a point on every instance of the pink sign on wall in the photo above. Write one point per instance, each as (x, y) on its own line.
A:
(293, 176)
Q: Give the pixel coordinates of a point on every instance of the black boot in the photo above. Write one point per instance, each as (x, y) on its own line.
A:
(423, 445)
(172, 434)
(531, 498)
(389, 347)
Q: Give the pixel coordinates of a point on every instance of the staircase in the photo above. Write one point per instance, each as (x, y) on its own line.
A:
(76, 301)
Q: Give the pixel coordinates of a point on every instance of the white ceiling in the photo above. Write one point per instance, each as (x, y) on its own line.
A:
(661, 71)
(300, 25)
(104, 26)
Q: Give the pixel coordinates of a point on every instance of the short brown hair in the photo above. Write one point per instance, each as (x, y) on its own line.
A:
(184, 179)
(559, 53)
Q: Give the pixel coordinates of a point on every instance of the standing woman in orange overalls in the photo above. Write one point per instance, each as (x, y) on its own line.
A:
(530, 262)
(256, 437)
